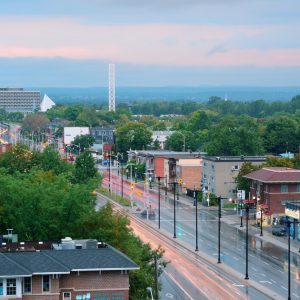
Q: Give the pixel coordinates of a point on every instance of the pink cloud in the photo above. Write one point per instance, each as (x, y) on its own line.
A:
(139, 44)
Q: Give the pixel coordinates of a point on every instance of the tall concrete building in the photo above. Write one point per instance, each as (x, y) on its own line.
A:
(19, 100)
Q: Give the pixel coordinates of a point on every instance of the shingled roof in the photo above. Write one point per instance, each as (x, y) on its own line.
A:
(275, 175)
(63, 261)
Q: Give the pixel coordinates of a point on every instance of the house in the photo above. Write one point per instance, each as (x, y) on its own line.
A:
(219, 173)
(273, 187)
(69, 270)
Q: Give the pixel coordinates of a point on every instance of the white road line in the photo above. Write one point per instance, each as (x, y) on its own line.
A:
(263, 275)
(179, 285)
(251, 255)
(266, 263)
(296, 295)
(234, 257)
(253, 269)
(284, 287)
(275, 257)
(273, 280)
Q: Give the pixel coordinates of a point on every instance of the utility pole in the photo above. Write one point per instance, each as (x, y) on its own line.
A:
(195, 199)
(247, 219)
(174, 191)
(219, 231)
(159, 178)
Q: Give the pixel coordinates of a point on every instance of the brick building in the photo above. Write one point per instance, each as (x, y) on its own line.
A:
(71, 270)
(273, 187)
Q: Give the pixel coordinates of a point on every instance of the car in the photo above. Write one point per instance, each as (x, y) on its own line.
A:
(279, 231)
(151, 213)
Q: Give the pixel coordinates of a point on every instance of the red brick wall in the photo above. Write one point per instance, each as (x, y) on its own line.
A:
(93, 281)
(159, 166)
(273, 196)
(74, 293)
(191, 176)
(37, 291)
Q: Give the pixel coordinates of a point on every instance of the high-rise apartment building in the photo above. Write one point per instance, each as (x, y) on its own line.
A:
(19, 100)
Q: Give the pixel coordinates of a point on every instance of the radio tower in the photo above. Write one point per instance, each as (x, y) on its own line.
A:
(111, 88)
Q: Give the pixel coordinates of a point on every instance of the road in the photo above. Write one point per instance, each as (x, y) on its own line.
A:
(267, 262)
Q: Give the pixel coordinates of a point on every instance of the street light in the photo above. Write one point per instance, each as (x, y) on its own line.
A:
(247, 219)
(174, 190)
(261, 221)
(159, 178)
(219, 230)
(195, 199)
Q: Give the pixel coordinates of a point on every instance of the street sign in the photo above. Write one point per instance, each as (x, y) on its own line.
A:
(241, 194)
(258, 214)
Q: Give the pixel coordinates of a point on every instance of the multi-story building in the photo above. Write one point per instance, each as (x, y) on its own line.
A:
(219, 173)
(19, 100)
(70, 270)
(102, 136)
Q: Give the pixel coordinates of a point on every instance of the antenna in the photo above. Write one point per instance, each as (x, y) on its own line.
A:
(111, 88)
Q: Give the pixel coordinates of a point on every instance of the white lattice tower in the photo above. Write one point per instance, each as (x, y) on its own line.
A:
(111, 88)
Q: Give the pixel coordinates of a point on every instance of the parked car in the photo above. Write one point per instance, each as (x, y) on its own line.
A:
(279, 231)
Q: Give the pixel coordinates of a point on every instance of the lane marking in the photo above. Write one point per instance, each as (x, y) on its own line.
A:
(266, 263)
(179, 285)
(284, 287)
(265, 281)
(254, 269)
(296, 295)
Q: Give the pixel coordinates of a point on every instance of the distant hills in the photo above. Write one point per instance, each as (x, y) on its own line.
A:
(98, 95)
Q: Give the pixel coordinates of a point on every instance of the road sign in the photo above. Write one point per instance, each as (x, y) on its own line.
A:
(241, 194)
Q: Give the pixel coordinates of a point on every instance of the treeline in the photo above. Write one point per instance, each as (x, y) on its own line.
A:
(257, 108)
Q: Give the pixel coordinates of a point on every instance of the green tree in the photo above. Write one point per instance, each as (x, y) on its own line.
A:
(84, 168)
(35, 122)
(281, 134)
(84, 141)
(198, 120)
(234, 136)
(71, 112)
(243, 183)
(133, 135)
(279, 162)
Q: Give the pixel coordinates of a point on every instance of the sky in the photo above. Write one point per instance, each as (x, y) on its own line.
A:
(152, 43)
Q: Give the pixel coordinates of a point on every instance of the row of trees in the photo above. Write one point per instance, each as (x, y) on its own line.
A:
(45, 198)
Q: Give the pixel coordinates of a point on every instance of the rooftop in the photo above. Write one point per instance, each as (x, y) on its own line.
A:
(273, 175)
(235, 158)
(91, 256)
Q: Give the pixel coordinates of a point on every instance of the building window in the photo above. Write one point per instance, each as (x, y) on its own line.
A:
(27, 285)
(46, 283)
(67, 296)
(117, 296)
(284, 188)
(11, 286)
(1, 287)
(102, 296)
(298, 188)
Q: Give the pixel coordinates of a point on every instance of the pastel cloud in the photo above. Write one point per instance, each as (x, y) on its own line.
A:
(152, 44)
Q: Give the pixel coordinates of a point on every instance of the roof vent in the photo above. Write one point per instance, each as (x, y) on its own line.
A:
(101, 245)
(67, 243)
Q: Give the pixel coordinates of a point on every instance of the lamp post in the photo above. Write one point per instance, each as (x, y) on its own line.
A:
(109, 173)
(174, 211)
(241, 213)
(289, 258)
(219, 231)
(195, 199)
(247, 219)
(159, 178)
(261, 221)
